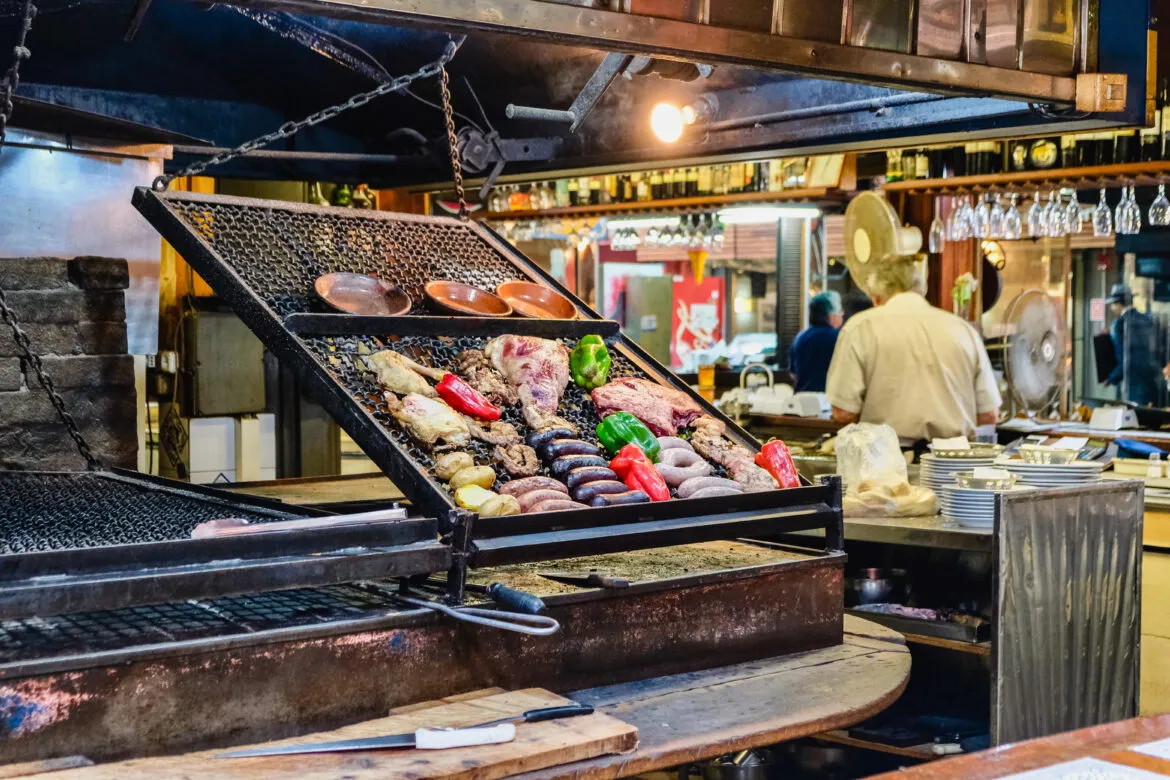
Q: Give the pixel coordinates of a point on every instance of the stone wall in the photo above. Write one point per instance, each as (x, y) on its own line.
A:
(74, 313)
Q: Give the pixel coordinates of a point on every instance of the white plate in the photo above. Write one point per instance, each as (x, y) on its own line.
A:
(1013, 464)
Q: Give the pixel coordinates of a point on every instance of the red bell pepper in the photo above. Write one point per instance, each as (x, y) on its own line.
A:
(636, 470)
(465, 399)
(777, 461)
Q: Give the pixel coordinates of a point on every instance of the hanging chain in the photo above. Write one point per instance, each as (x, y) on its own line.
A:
(452, 142)
(289, 129)
(20, 53)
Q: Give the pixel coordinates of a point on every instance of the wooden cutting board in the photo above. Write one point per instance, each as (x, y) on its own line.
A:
(537, 745)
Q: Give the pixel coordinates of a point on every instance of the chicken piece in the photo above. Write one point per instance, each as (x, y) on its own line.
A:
(540, 420)
(429, 420)
(519, 460)
(498, 433)
(399, 374)
(663, 409)
(709, 441)
(537, 368)
(479, 372)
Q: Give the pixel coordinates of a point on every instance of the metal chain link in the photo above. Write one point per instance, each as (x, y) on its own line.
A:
(289, 129)
(452, 142)
(20, 53)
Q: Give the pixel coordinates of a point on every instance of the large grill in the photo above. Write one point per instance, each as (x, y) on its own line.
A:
(262, 257)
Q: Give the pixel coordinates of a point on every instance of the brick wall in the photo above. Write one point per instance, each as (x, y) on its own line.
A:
(74, 313)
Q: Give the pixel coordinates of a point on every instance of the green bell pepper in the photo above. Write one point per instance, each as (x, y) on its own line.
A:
(589, 363)
(622, 428)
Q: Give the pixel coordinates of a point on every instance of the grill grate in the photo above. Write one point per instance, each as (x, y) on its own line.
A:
(42, 512)
(280, 252)
(93, 632)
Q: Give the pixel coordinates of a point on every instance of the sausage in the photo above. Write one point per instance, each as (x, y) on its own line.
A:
(587, 474)
(519, 487)
(563, 465)
(695, 484)
(556, 505)
(591, 490)
(717, 490)
(674, 443)
(676, 475)
(621, 499)
(534, 497)
(541, 438)
(680, 457)
(558, 447)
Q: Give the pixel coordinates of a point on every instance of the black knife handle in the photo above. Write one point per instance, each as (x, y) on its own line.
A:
(514, 599)
(552, 713)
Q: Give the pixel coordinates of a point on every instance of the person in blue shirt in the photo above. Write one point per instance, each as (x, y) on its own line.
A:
(812, 349)
(1133, 337)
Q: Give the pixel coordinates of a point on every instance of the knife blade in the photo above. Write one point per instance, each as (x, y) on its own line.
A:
(488, 733)
(591, 579)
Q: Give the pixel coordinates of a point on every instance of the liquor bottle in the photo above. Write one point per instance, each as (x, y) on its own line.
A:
(595, 190)
(1164, 116)
(704, 183)
(922, 165)
(775, 175)
(680, 183)
(603, 195)
(573, 188)
(563, 196)
(625, 188)
(611, 186)
(668, 183)
(342, 196)
(692, 182)
(1068, 150)
(583, 191)
(908, 166)
(642, 186)
(656, 185)
(1151, 139)
(893, 166)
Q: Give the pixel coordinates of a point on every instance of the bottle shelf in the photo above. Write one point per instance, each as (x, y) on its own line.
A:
(699, 202)
(1086, 178)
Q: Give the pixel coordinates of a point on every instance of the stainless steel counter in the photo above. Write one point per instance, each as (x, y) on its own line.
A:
(931, 531)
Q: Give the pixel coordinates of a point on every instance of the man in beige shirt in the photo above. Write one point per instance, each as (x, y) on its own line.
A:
(918, 369)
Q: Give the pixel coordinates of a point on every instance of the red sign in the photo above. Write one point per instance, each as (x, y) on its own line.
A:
(697, 319)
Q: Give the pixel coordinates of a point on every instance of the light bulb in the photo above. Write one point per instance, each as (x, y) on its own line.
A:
(666, 120)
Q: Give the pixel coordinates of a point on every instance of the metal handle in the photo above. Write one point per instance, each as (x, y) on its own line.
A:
(514, 111)
(536, 625)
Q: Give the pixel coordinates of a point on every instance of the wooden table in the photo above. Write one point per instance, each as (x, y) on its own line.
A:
(690, 717)
(1108, 742)
(323, 491)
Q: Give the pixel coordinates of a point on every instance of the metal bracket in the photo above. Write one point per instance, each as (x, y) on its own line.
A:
(479, 150)
(1101, 92)
(610, 68)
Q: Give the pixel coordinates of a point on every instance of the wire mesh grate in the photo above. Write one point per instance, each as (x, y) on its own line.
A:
(40, 512)
(279, 253)
(94, 632)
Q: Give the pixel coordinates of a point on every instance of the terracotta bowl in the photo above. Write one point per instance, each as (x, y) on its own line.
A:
(534, 300)
(465, 300)
(359, 294)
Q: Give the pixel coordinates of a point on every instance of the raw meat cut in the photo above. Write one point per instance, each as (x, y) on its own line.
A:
(662, 409)
(537, 368)
(399, 374)
(429, 420)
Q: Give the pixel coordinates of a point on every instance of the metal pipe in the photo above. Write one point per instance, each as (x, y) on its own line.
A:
(275, 154)
(817, 112)
(514, 111)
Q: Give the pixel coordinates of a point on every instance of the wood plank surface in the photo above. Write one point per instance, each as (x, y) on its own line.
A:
(537, 745)
(1110, 742)
(690, 717)
(313, 491)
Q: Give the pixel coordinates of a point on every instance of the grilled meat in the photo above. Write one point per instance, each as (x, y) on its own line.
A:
(498, 433)
(537, 368)
(429, 420)
(540, 420)
(474, 366)
(519, 460)
(662, 409)
(710, 442)
(399, 374)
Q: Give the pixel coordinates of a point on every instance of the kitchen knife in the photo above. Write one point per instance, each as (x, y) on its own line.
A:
(489, 733)
(588, 580)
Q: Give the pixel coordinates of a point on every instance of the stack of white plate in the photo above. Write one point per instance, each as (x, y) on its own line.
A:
(935, 472)
(970, 507)
(1053, 475)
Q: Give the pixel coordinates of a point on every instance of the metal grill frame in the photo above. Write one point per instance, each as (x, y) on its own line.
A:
(82, 579)
(500, 540)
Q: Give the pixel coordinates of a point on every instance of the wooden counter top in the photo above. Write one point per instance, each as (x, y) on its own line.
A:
(1110, 742)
